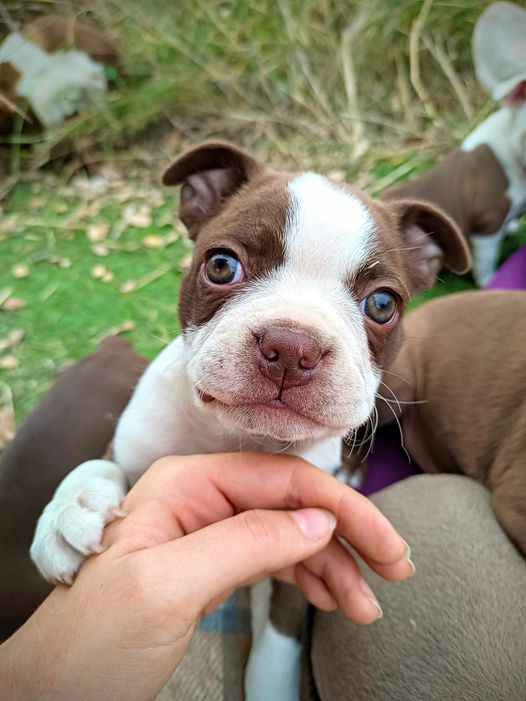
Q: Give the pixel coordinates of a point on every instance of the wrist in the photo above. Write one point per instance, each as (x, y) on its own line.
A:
(18, 677)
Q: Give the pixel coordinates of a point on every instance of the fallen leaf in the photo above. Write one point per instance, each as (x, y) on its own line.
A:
(5, 293)
(172, 237)
(153, 241)
(98, 272)
(156, 199)
(12, 340)
(90, 187)
(98, 232)
(9, 362)
(126, 326)
(99, 249)
(128, 287)
(13, 304)
(7, 417)
(185, 263)
(140, 217)
(338, 176)
(20, 271)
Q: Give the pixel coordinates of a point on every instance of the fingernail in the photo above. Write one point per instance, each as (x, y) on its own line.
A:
(413, 568)
(371, 597)
(407, 553)
(118, 512)
(314, 523)
(97, 548)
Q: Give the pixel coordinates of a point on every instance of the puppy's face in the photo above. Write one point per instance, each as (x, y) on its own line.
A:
(292, 304)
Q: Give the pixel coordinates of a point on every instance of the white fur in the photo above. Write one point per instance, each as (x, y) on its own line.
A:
(70, 83)
(26, 57)
(71, 525)
(55, 85)
(329, 232)
(273, 669)
(505, 133)
(485, 251)
(328, 237)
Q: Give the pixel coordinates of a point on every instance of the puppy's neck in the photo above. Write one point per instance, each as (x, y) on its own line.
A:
(164, 417)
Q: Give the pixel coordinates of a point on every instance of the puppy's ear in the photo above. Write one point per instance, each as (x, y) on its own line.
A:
(210, 174)
(517, 96)
(431, 240)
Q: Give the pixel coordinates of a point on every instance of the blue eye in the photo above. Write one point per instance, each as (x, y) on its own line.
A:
(223, 268)
(379, 306)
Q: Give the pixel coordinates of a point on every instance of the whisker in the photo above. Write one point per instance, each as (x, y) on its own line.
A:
(399, 427)
(389, 372)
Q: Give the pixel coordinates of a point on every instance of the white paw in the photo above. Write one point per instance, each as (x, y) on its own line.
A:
(273, 669)
(72, 524)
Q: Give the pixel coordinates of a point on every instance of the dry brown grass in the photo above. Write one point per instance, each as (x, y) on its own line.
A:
(331, 84)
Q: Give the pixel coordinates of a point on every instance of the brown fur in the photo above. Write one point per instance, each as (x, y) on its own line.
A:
(53, 33)
(73, 423)
(463, 357)
(230, 200)
(469, 185)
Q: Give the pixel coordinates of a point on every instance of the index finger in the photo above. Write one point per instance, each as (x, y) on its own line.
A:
(204, 489)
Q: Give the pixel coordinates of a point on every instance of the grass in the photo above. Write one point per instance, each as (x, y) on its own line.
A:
(67, 309)
(374, 90)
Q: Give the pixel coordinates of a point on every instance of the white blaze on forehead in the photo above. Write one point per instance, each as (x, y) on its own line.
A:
(329, 231)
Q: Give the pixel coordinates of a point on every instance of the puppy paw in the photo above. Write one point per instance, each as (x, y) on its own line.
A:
(72, 524)
(273, 667)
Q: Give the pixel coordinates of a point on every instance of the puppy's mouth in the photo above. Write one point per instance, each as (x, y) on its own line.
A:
(270, 403)
(271, 418)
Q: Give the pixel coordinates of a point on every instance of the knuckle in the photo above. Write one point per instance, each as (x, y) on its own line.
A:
(261, 528)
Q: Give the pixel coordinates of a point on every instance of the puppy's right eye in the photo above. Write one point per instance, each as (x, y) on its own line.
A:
(223, 268)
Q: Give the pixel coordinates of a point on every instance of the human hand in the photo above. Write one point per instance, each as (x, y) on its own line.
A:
(197, 527)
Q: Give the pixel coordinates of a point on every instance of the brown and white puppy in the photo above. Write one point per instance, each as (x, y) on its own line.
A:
(463, 363)
(51, 69)
(290, 310)
(481, 185)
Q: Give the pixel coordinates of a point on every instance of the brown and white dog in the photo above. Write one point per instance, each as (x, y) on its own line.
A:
(55, 65)
(482, 184)
(290, 310)
(458, 386)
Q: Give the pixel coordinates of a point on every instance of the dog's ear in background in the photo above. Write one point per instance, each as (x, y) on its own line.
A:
(431, 241)
(209, 174)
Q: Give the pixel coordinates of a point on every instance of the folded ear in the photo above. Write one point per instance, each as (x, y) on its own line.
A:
(210, 174)
(432, 240)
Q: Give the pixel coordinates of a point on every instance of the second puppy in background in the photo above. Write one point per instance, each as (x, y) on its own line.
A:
(458, 385)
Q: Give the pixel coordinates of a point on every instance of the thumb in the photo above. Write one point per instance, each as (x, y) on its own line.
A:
(252, 544)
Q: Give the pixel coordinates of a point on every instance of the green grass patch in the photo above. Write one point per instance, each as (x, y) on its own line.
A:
(67, 310)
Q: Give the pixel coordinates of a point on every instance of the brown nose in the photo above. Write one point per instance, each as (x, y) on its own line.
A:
(288, 358)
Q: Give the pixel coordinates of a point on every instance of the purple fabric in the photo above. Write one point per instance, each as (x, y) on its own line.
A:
(512, 273)
(388, 463)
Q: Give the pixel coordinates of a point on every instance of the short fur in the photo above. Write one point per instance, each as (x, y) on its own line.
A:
(463, 362)
(481, 185)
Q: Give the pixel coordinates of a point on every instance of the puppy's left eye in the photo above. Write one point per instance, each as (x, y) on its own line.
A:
(223, 268)
(380, 306)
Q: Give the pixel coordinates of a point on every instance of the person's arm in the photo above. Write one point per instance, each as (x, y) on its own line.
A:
(197, 527)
